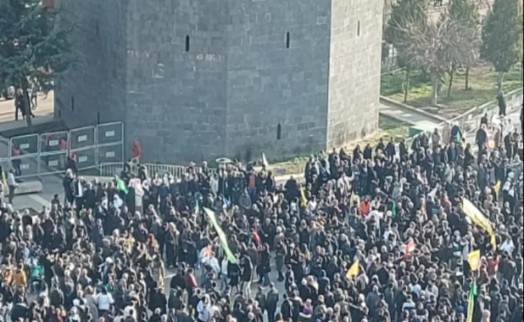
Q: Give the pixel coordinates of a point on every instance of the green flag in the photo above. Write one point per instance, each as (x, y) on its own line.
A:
(458, 137)
(37, 271)
(471, 301)
(121, 186)
(221, 235)
(394, 209)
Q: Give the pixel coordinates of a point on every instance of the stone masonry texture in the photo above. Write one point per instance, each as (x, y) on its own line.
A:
(197, 80)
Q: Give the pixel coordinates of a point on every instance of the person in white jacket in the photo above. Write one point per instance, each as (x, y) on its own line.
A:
(203, 309)
(105, 300)
(223, 275)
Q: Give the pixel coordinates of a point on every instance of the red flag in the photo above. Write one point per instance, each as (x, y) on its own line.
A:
(256, 238)
(410, 247)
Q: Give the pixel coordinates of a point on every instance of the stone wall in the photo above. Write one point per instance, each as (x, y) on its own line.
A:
(93, 89)
(197, 80)
(271, 86)
(176, 95)
(354, 70)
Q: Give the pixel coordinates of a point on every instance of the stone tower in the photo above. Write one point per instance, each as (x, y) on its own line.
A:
(196, 80)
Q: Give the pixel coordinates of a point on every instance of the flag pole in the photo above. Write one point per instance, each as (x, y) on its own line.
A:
(471, 298)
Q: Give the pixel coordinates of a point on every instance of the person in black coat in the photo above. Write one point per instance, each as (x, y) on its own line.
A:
(272, 298)
(67, 184)
(481, 137)
(501, 100)
(158, 300)
(19, 311)
(247, 273)
(233, 273)
(390, 149)
(71, 163)
(286, 308)
(292, 190)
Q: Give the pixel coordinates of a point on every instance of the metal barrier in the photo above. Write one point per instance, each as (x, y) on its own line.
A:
(26, 165)
(25, 144)
(23, 153)
(177, 171)
(53, 152)
(110, 142)
(110, 169)
(82, 145)
(37, 155)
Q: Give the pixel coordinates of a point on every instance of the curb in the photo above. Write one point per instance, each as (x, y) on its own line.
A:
(413, 109)
(397, 118)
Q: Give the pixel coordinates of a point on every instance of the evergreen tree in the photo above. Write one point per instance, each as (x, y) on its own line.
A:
(32, 49)
(402, 13)
(501, 36)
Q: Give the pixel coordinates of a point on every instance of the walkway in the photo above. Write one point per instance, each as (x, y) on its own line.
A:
(427, 122)
(44, 109)
(411, 116)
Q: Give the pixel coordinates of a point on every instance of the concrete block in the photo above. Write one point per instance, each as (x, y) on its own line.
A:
(27, 187)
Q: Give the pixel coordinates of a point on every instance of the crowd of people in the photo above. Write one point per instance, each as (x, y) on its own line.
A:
(141, 247)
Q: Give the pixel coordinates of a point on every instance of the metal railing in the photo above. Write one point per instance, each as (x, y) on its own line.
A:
(470, 120)
(37, 155)
(110, 169)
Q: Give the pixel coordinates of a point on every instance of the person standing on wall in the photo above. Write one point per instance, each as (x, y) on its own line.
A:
(12, 185)
(502, 103)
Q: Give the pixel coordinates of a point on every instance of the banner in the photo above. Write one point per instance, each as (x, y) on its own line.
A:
(353, 270)
(221, 236)
(474, 260)
(479, 219)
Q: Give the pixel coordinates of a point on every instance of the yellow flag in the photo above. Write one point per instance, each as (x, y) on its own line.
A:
(474, 260)
(496, 188)
(303, 199)
(478, 219)
(353, 270)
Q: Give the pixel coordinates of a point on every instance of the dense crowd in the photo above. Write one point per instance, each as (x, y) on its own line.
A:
(141, 248)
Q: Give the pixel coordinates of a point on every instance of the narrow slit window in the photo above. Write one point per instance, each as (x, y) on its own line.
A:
(72, 103)
(187, 43)
(358, 28)
(288, 39)
(279, 131)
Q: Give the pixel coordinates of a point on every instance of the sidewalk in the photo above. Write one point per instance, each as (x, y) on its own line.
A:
(409, 116)
(425, 121)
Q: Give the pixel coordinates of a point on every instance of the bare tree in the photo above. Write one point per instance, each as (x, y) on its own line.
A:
(434, 46)
(465, 15)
